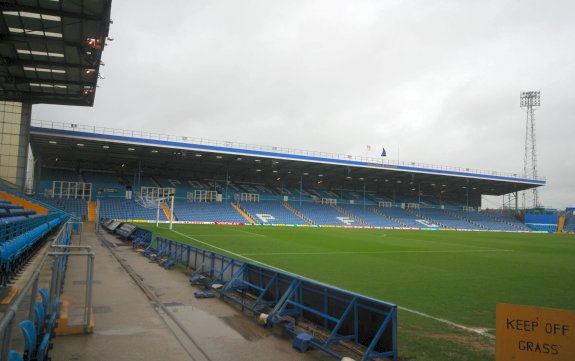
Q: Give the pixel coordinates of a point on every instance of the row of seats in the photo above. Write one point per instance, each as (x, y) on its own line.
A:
(401, 216)
(511, 223)
(119, 208)
(444, 219)
(543, 227)
(15, 252)
(569, 225)
(7, 209)
(322, 214)
(270, 212)
(274, 213)
(38, 333)
(221, 212)
(368, 216)
(491, 222)
(11, 227)
(113, 184)
(77, 207)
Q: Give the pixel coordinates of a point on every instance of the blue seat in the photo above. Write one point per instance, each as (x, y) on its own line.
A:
(45, 298)
(52, 320)
(40, 314)
(29, 332)
(15, 356)
(44, 348)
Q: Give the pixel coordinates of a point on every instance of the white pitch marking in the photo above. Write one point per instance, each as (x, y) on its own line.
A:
(481, 332)
(442, 320)
(374, 252)
(219, 235)
(247, 232)
(227, 251)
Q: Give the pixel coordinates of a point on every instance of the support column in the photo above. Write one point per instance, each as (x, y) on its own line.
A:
(38, 175)
(14, 139)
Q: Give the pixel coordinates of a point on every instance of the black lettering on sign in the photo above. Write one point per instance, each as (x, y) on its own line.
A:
(556, 328)
(522, 325)
(543, 348)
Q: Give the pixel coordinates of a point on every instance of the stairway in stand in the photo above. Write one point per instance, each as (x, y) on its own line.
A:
(91, 211)
(243, 213)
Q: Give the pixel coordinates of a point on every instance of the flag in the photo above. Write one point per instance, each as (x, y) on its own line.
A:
(383, 154)
(369, 148)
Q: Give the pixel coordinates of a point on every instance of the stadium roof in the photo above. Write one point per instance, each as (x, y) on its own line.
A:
(50, 50)
(88, 147)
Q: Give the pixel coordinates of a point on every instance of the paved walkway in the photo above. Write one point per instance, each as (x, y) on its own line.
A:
(144, 312)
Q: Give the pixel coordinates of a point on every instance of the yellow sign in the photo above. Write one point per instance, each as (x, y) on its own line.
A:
(526, 333)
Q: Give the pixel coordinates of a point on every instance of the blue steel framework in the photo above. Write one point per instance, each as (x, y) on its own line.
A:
(364, 323)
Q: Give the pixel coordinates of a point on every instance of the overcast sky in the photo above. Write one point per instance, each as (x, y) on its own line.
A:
(435, 82)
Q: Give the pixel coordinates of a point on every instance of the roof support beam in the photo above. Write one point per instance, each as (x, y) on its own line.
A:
(42, 42)
(36, 63)
(52, 12)
(19, 80)
(46, 98)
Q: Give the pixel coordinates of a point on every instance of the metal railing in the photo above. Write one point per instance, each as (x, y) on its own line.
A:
(265, 148)
(61, 247)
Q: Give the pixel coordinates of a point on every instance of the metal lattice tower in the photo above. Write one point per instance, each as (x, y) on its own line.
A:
(530, 100)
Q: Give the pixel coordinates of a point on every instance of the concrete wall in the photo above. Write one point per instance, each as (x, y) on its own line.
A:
(14, 138)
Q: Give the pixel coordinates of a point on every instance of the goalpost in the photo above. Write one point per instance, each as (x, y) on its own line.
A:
(155, 198)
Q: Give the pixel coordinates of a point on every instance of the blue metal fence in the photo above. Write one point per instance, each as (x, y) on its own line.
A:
(327, 315)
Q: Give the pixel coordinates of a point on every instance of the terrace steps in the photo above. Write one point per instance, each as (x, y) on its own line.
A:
(243, 213)
(299, 214)
(560, 224)
(91, 211)
(349, 214)
(378, 212)
(167, 212)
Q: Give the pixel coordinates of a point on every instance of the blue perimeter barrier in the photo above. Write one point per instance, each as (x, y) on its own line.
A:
(331, 316)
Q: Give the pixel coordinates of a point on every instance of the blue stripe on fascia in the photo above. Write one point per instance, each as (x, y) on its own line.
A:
(476, 175)
(192, 146)
(282, 155)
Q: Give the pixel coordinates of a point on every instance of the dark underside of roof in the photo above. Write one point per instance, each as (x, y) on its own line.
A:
(50, 51)
(54, 151)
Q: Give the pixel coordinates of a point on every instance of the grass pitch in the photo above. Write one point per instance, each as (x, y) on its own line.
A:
(433, 276)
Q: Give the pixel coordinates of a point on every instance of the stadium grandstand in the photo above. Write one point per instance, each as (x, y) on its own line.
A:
(117, 180)
(119, 172)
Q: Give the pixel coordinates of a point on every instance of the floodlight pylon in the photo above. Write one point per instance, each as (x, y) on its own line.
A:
(528, 101)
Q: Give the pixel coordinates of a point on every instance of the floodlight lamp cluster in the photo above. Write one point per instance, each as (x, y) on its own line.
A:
(87, 91)
(530, 99)
(93, 42)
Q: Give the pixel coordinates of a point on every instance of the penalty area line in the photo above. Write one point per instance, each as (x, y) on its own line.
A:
(375, 252)
(480, 332)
